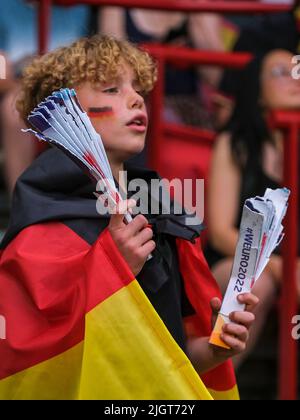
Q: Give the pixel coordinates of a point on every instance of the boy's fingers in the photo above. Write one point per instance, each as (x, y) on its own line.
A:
(250, 300)
(117, 221)
(215, 304)
(117, 218)
(148, 248)
(144, 236)
(137, 224)
(243, 318)
(238, 331)
(233, 342)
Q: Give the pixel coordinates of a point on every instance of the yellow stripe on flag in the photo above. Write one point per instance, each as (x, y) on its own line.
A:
(128, 345)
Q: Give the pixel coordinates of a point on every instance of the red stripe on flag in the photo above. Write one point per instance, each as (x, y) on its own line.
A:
(112, 265)
(49, 279)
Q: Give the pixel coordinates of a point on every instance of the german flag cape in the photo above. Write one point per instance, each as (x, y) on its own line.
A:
(75, 323)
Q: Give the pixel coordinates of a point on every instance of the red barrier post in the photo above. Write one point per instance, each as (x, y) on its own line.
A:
(288, 346)
(188, 6)
(44, 17)
(289, 122)
(157, 109)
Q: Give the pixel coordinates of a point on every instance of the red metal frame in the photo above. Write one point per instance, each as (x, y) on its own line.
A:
(188, 6)
(44, 19)
(189, 56)
(232, 7)
(177, 56)
(189, 134)
(157, 106)
(285, 120)
(289, 122)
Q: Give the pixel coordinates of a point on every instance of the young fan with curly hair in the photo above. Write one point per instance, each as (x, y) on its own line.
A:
(88, 315)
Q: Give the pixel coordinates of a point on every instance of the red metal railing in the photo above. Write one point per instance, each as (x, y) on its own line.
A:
(178, 55)
(236, 7)
(289, 122)
(188, 6)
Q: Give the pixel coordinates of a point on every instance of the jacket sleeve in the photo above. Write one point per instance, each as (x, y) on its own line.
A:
(200, 287)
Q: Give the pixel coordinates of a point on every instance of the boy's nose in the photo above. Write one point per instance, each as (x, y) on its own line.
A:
(135, 100)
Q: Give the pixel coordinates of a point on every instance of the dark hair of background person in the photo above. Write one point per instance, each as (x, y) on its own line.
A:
(261, 35)
(248, 127)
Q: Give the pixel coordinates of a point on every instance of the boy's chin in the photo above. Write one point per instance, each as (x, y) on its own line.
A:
(124, 157)
(133, 151)
(124, 154)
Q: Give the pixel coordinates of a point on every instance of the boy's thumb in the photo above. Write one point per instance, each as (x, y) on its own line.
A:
(117, 216)
(215, 304)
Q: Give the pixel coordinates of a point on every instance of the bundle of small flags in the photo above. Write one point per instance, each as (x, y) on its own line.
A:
(61, 121)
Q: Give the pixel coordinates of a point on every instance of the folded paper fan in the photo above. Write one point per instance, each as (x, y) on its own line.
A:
(61, 121)
(261, 232)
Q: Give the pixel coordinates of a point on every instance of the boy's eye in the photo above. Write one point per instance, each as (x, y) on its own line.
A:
(111, 90)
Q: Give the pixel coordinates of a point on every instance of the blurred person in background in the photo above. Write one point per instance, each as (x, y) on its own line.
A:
(5, 86)
(18, 38)
(258, 35)
(5, 73)
(18, 151)
(247, 159)
(188, 91)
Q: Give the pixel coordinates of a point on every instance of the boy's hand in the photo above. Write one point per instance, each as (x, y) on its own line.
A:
(236, 334)
(133, 240)
(206, 356)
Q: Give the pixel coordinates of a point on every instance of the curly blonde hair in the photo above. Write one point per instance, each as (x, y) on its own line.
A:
(96, 59)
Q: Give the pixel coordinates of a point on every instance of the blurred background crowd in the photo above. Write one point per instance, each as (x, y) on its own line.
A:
(247, 154)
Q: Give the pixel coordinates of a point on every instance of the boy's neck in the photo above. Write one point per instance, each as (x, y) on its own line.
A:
(117, 171)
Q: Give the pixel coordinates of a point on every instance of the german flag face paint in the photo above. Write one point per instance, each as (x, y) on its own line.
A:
(101, 113)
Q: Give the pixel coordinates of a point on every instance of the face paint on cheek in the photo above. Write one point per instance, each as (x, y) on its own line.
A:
(101, 113)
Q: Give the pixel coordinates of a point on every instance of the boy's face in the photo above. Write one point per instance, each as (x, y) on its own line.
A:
(118, 114)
